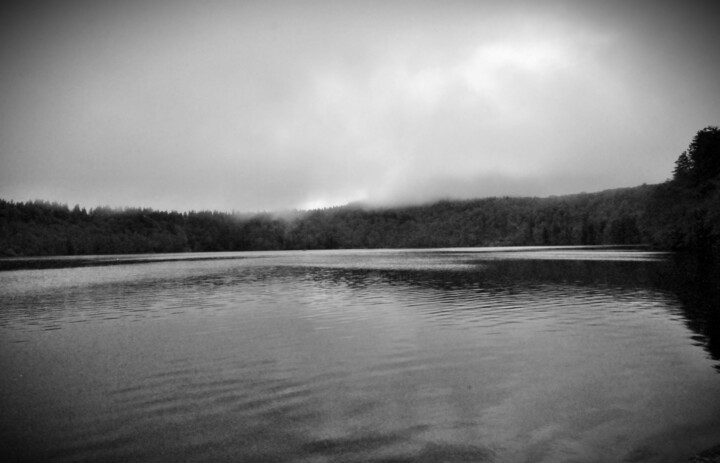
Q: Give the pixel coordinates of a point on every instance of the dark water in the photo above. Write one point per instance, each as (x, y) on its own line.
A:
(358, 356)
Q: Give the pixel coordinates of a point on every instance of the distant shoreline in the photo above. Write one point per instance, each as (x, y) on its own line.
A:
(612, 217)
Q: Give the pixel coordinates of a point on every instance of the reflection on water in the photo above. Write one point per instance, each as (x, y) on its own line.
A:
(697, 286)
(445, 355)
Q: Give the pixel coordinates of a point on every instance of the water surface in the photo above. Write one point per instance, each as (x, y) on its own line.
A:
(506, 354)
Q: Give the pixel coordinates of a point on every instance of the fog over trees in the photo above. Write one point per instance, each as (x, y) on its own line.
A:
(680, 214)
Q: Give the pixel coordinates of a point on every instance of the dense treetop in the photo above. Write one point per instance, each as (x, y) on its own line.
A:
(682, 213)
(699, 166)
(611, 217)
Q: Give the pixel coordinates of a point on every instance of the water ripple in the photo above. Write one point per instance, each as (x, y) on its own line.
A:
(358, 356)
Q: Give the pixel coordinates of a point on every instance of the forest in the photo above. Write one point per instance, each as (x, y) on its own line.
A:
(682, 213)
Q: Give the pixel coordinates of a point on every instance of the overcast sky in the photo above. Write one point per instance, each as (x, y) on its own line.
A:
(269, 105)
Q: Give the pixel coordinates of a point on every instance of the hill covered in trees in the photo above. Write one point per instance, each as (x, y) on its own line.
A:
(610, 217)
(682, 213)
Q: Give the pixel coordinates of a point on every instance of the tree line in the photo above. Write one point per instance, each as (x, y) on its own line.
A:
(681, 214)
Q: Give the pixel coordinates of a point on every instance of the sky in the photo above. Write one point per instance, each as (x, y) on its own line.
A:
(273, 105)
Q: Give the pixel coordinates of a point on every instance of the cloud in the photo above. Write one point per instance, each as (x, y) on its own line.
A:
(269, 105)
(481, 114)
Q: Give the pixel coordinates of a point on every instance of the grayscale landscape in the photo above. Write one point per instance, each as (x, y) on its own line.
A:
(331, 231)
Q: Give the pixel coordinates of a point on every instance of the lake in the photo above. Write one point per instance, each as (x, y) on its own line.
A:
(458, 355)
